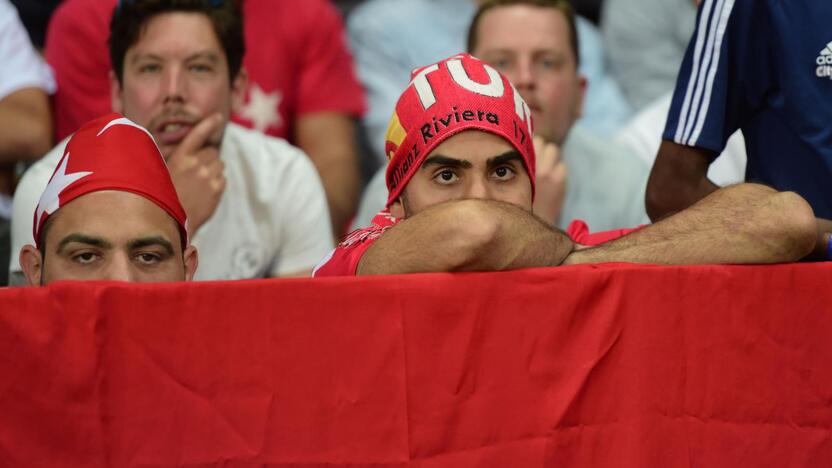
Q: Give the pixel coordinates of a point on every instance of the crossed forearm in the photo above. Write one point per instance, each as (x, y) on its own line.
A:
(466, 235)
(745, 223)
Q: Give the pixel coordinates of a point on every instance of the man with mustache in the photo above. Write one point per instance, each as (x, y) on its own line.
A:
(301, 84)
(255, 203)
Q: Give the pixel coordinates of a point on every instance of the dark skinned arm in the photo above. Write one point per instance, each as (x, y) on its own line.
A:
(679, 179)
(823, 240)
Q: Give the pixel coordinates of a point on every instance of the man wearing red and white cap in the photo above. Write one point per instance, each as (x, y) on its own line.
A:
(109, 212)
(461, 180)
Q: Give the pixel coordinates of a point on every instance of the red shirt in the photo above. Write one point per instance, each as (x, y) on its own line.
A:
(343, 260)
(296, 57)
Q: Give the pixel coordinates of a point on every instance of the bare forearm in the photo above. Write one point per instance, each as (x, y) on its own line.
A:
(516, 239)
(25, 126)
(677, 180)
(329, 141)
(466, 235)
(745, 223)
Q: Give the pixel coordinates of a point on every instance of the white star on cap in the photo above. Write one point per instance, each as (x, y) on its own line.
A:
(124, 121)
(50, 200)
(261, 108)
(130, 123)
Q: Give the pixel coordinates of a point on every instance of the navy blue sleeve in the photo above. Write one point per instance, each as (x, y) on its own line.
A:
(725, 75)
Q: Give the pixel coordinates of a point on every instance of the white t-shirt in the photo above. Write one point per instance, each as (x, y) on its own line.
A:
(643, 135)
(22, 67)
(272, 219)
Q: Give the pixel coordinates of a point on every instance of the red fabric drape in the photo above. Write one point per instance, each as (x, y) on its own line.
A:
(596, 366)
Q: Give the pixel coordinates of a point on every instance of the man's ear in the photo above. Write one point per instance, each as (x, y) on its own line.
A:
(397, 209)
(191, 259)
(32, 264)
(238, 90)
(115, 94)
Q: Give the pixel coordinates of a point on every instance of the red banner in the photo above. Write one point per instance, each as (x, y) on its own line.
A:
(595, 366)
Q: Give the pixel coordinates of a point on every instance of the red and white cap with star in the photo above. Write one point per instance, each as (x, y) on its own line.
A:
(110, 153)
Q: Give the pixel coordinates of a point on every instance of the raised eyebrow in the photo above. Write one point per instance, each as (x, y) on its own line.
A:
(83, 239)
(508, 156)
(440, 160)
(150, 242)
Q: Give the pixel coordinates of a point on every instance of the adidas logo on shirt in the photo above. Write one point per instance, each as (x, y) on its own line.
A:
(824, 62)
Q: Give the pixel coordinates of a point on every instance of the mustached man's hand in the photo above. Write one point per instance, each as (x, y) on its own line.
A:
(198, 172)
(551, 181)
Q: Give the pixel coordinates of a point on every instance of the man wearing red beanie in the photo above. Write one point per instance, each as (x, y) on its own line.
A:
(109, 212)
(461, 180)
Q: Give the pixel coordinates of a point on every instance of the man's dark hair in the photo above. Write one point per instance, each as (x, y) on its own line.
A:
(41, 243)
(562, 6)
(130, 18)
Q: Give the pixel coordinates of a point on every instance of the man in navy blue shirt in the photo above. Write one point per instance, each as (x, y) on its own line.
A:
(763, 66)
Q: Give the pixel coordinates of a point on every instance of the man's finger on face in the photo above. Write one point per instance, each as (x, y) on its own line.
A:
(218, 185)
(539, 143)
(556, 154)
(206, 155)
(209, 169)
(555, 175)
(560, 173)
(216, 169)
(200, 135)
(548, 155)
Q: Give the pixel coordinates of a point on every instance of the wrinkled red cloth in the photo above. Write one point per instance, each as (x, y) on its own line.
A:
(589, 366)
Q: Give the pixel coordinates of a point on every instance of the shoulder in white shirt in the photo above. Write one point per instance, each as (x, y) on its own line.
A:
(22, 66)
